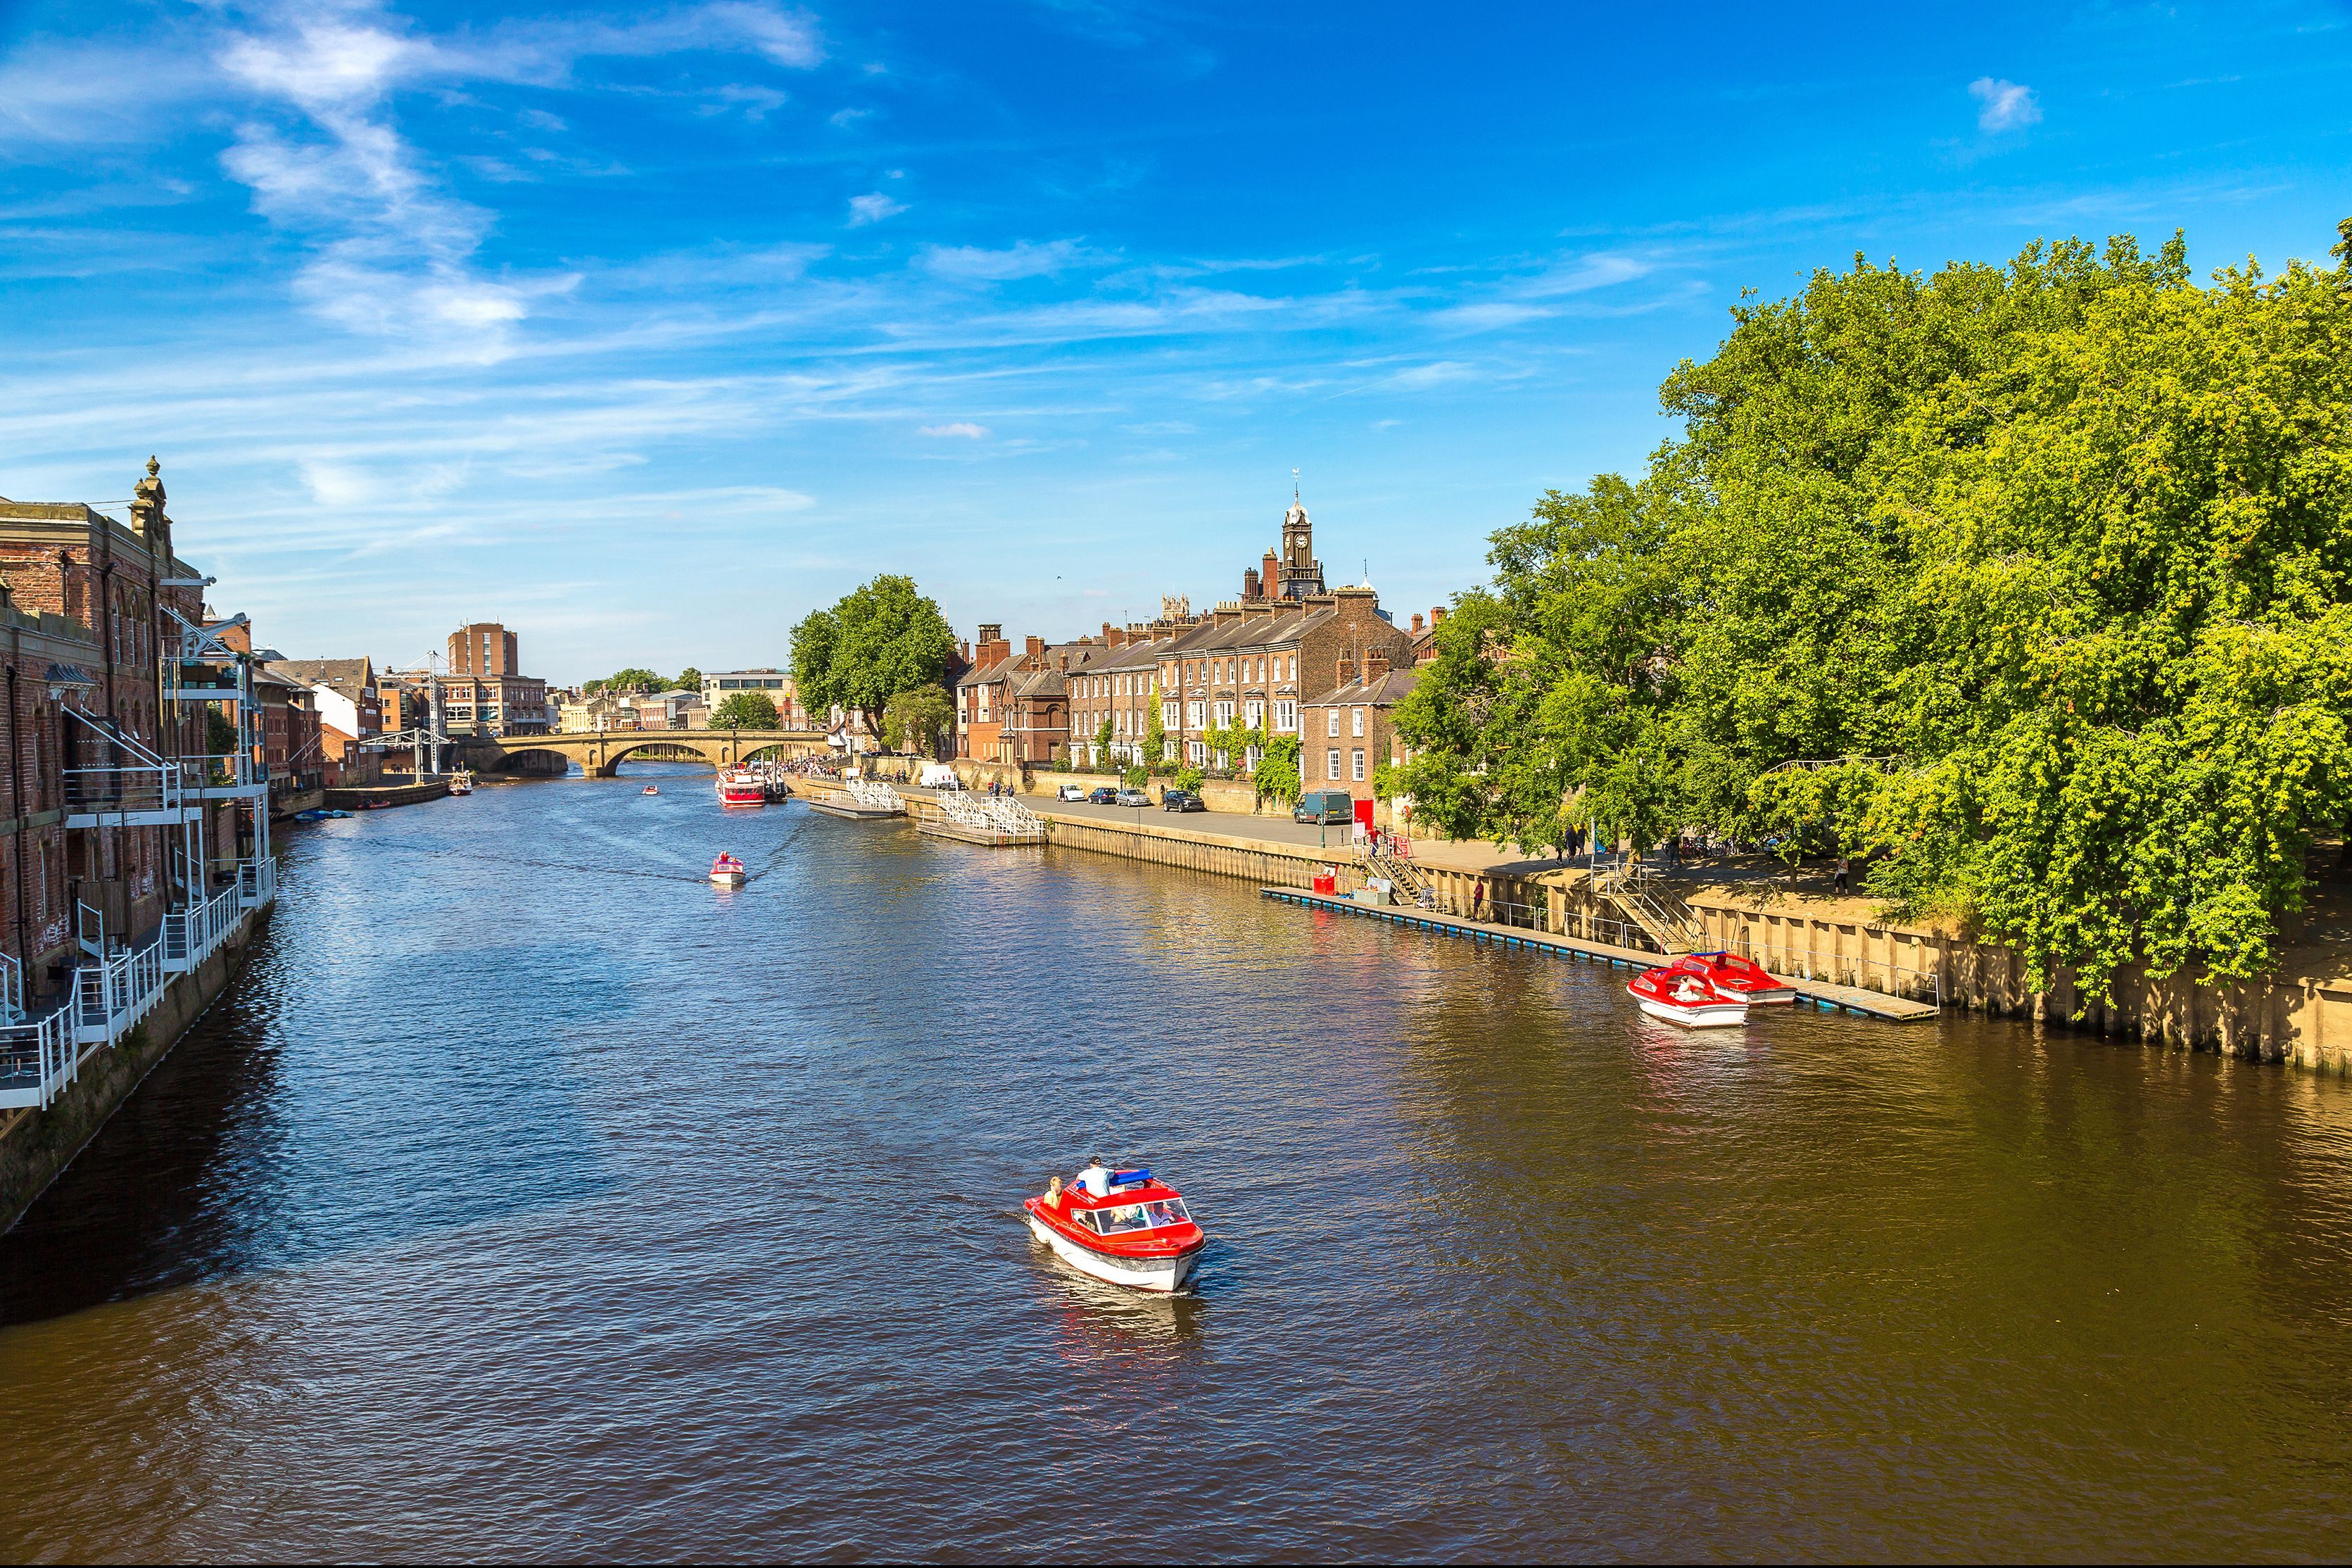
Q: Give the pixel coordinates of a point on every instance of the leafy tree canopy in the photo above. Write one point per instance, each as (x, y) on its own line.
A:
(623, 680)
(2041, 571)
(915, 719)
(880, 640)
(745, 710)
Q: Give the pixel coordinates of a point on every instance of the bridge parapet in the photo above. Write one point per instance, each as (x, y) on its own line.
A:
(602, 753)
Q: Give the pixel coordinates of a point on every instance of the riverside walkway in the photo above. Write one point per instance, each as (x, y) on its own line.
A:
(1829, 998)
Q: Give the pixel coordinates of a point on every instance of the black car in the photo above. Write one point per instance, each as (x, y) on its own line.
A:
(1182, 800)
(1105, 795)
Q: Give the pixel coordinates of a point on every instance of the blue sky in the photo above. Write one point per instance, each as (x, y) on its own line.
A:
(646, 329)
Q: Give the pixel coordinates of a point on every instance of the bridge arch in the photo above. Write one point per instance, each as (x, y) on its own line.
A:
(545, 761)
(704, 752)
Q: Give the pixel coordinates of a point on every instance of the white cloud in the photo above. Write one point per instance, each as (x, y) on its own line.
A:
(755, 101)
(873, 208)
(1020, 261)
(963, 429)
(2007, 105)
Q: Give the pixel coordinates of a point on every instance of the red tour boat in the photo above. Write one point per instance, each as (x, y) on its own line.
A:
(1119, 1226)
(1680, 996)
(727, 871)
(741, 786)
(1742, 977)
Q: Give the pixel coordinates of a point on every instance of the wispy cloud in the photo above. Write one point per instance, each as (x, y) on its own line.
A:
(2007, 106)
(962, 429)
(873, 207)
(1018, 260)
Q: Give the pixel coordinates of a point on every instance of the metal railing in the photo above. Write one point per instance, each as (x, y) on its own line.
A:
(37, 1061)
(141, 787)
(11, 989)
(191, 935)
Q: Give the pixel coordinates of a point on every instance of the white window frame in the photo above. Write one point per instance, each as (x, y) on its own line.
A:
(1358, 719)
(1359, 765)
(1331, 723)
(1331, 765)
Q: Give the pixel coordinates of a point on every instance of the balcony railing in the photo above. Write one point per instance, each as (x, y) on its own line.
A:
(37, 1061)
(145, 787)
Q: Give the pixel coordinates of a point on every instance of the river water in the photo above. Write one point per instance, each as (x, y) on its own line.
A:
(527, 1196)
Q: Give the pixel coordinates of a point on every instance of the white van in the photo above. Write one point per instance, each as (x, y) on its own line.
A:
(939, 775)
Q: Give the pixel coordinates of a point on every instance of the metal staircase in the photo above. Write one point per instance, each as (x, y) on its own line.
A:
(1408, 881)
(1649, 903)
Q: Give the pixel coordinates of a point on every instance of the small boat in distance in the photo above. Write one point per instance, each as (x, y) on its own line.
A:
(727, 871)
(1119, 1226)
(650, 789)
(741, 786)
(1681, 996)
(1741, 977)
(461, 782)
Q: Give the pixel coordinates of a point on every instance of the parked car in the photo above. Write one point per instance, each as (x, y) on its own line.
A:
(1071, 791)
(1182, 800)
(1133, 797)
(1102, 794)
(1325, 805)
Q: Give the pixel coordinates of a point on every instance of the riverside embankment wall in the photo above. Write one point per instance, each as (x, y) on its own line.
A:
(2300, 1019)
(36, 1146)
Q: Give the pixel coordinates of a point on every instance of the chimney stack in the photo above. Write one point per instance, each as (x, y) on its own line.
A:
(1346, 669)
(1036, 646)
(1376, 663)
(1250, 581)
(1266, 576)
(1436, 616)
(1416, 623)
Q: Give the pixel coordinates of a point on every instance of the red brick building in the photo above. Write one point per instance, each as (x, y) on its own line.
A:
(88, 637)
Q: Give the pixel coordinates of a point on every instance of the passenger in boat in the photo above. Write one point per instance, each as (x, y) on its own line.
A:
(1054, 1192)
(1096, 1178)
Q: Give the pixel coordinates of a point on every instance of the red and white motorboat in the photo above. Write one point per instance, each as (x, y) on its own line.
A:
(1742, 977)
(741, 786)
(727, 871)
(650, 789)
(1680, 996)
(1119, 1226)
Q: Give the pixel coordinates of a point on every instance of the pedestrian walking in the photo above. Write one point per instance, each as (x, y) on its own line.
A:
(1478, 900)
(1841, 874)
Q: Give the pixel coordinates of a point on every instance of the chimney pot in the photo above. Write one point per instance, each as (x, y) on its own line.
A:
(1416, 623)
(1437, 615)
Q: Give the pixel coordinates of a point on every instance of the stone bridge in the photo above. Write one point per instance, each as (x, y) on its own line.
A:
(602, 754)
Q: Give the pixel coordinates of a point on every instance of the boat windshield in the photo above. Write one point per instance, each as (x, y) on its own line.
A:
(1142, 1216)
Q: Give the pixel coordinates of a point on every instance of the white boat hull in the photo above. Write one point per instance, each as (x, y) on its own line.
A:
(1706, 1015)
(731, 879)
(1165, 1275)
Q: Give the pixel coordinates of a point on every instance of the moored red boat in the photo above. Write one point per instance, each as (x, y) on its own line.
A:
(741, 786)
(727, 871)
(1119, 1226)
(1681, 997)
(650, 789)
(1742, 977)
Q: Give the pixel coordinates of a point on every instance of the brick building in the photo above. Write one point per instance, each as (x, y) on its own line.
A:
(1256, 662)
(772, 684)
(97, 812)
(1348, 734)
(344, 695)
(486, 692)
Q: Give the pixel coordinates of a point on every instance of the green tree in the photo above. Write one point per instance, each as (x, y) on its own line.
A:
(1155, 735)
(745, 710)
(915, 719)
(1277, 770)
(880, 640)
(2042, 570)
(220, 733)
(688, 679)
(1102, 737)
(625, 680)
(1188, 777)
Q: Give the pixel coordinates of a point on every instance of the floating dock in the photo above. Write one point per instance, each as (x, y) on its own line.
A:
(970, 833)
(1820, 994)
(844, 805)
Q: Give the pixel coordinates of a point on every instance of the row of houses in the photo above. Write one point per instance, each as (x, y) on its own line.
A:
(681, 707)
(1289, 657)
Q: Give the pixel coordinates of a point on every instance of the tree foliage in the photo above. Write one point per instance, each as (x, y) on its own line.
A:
(746, 711)
(915, 719)
(626, 680)
(2047, 563)
(880, 640)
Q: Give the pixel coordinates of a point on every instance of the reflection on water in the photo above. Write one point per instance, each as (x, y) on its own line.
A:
(577, 1207)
